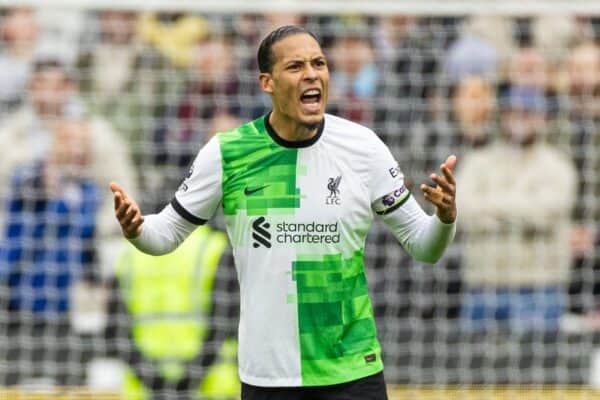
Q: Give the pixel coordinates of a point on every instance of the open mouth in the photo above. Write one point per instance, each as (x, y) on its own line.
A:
(311, 100)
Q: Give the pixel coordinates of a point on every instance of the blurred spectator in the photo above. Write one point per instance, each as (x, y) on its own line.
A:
(579, 123)
(471, 56)
(390, 34)
(528, 67)
(48, 245)
(61, 32)
(212, 86)
(132, 76)
(245, 35)
(408, 76)
(107, 70)
(584, 81)
(55, 202)
(554, 35)
(276, 19)
(468, 123)
(28, 133)
(353, 72)
(211, 89)
(516, 253)
(480, 49)
(492, 29)
(181, 344)
(473, 102)
(587, 28)
(173, 34)
(577, 128)
(19, 33)
(582, 124)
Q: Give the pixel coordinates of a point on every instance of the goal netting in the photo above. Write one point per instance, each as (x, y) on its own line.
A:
(97, 91)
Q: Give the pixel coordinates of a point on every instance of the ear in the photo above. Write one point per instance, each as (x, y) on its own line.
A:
(266, 82)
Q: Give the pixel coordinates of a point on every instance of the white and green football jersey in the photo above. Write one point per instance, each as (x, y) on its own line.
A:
(297, 215)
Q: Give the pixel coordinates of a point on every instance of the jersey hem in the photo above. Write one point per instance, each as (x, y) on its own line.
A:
(297, 382)
(270, 382)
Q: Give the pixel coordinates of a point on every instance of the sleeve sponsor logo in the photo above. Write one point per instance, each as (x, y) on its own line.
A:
(391, 201)
(395, 171)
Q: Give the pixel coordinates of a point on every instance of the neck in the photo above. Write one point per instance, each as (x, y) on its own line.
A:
(290, 129)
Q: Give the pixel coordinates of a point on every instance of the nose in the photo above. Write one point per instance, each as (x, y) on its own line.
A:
(310, 73)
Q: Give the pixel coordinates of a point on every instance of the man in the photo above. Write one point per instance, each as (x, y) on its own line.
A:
(47, 247)
(52, 97)
(180, 344)
(299, 188)
(516, 253)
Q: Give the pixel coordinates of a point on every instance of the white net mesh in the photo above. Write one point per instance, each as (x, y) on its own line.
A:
(513, 301)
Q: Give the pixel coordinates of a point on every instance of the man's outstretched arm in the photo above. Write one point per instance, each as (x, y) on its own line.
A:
(424, 237)
(154, 234)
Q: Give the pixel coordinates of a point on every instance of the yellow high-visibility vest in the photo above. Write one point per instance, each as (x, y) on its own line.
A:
(169, 298)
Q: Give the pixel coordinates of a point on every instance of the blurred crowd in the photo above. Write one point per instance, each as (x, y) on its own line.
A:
(87, 97)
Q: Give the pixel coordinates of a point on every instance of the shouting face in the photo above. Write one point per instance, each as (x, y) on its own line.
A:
(299, 80)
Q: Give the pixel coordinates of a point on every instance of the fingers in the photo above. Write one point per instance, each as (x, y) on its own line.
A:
(119, 194)
(443, 183)
(450, 162)
(115, 187)
(132, 226)
(130, 218)
(127, 212)
(448, 174)
(437, 196)
(446, 181)
(444, 203)
(443, 196)
(447, 167)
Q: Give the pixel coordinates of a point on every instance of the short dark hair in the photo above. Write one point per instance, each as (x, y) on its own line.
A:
(265, 50)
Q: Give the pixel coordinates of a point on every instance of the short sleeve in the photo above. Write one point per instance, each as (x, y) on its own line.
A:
(200, 193)
(386, 180)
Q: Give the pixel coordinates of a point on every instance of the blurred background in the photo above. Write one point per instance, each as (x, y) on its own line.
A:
(97, 91)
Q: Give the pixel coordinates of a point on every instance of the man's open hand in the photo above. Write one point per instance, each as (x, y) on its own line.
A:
(127, 212)
(443, 196)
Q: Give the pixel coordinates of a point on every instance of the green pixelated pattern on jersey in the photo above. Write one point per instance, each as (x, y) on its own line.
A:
(258, 174)
(338, 337)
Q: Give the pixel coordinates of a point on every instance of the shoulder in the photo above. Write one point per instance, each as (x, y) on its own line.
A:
(246, 142)
(358, 137)
(340, 125)
(251, 129)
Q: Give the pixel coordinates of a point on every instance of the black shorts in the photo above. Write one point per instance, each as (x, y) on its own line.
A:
(368, 388)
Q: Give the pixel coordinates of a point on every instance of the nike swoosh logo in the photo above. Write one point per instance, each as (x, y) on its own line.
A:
(248, 191)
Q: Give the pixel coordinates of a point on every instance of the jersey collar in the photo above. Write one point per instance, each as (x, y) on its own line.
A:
(292, 144)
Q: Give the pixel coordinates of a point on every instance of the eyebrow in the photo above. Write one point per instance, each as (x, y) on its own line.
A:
(301, 60)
